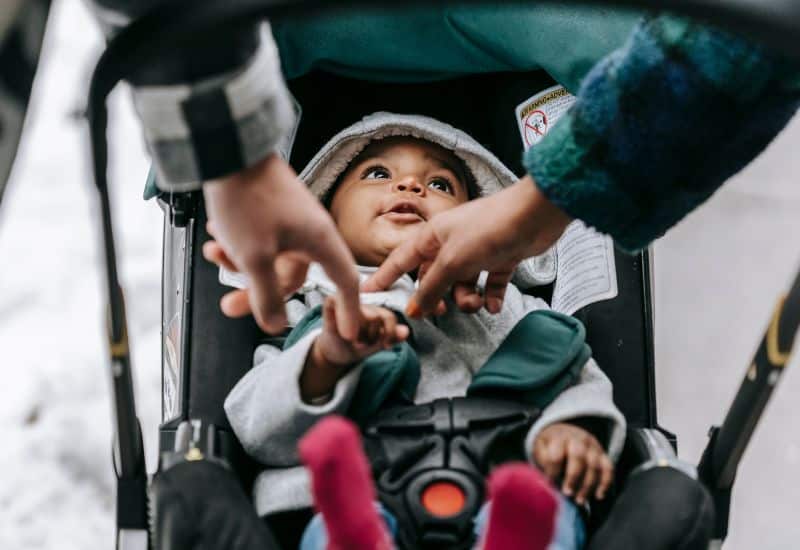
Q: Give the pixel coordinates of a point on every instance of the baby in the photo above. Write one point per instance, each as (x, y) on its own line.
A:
(381, 179)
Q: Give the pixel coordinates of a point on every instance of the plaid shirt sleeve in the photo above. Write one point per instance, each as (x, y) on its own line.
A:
(211, 111)
(660, 124)
(219, 125)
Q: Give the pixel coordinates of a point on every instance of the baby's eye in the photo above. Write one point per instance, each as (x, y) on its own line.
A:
(440, 184)
(376, 173)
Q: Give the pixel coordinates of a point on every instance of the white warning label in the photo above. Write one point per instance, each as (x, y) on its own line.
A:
(537, 115)
(586, 269)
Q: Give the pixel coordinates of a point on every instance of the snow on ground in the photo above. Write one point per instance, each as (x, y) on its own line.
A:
(717, 276)
(57, 483)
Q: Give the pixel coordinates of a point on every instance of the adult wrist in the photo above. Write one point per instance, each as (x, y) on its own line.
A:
(541, 222)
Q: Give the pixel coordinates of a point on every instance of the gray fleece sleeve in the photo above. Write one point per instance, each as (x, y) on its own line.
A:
(590, 396)
(265, 408)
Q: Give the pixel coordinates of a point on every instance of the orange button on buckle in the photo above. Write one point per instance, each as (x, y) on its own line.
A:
(443, 499)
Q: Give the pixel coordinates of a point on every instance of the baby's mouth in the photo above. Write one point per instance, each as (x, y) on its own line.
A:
(404, 211)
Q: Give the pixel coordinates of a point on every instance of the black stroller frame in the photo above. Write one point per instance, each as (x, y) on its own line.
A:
(198, 340)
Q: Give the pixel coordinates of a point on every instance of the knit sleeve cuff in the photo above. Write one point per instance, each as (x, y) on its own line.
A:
(658, 126)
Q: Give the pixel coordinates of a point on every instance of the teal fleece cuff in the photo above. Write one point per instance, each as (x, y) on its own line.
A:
(659, 125)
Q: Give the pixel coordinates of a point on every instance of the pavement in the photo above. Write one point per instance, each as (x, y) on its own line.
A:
(718, 275)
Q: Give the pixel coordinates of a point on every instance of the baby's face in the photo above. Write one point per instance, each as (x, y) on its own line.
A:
(392, 188)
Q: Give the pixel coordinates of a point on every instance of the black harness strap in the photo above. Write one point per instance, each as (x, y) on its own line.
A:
(450, 444)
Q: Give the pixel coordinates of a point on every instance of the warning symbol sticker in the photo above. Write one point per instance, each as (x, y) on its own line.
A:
(535, 127)
(536, 115)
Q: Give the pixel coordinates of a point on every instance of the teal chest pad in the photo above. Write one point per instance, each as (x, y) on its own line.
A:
(541, 357)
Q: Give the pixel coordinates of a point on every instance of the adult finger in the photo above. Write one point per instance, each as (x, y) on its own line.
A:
(444, 271)
(590, 477)
(214, 253)
(291, 270)
(266, 297)
(576, 464)
(329, 314)
(606, 477)
(406, 257)
(235, 303)
(332, 253)
(441, 307)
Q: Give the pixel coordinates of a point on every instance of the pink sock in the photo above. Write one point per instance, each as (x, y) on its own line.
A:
(523, 511)
(342, 486)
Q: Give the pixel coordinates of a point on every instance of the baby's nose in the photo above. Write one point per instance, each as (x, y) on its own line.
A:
(409, 184)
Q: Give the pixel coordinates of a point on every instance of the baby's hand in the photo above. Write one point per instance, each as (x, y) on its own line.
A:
(564, 449)
(378, 330)
(331, 355)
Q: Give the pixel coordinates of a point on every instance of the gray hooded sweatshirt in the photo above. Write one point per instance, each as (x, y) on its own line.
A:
(269, 417)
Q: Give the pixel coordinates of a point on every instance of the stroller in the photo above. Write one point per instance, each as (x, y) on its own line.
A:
(204, 354)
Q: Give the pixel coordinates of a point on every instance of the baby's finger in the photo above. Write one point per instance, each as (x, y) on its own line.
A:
(389, 328)
(606, 477)
(401, 333)
(495, 290)
(441, 308)
(467, 297)
(553, 457)
(373, 331)
(235, 303)
(590, 477)
(576, 464)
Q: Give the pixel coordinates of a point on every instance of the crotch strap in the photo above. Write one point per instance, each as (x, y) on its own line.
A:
(430, 463)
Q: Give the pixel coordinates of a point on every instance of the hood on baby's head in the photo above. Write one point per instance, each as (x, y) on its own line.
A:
(489, 174)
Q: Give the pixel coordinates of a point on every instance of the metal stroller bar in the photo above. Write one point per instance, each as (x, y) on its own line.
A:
(728, 442)
(775, 23)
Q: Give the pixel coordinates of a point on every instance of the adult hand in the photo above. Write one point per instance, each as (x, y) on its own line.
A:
(269, 226)
(493, 233)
